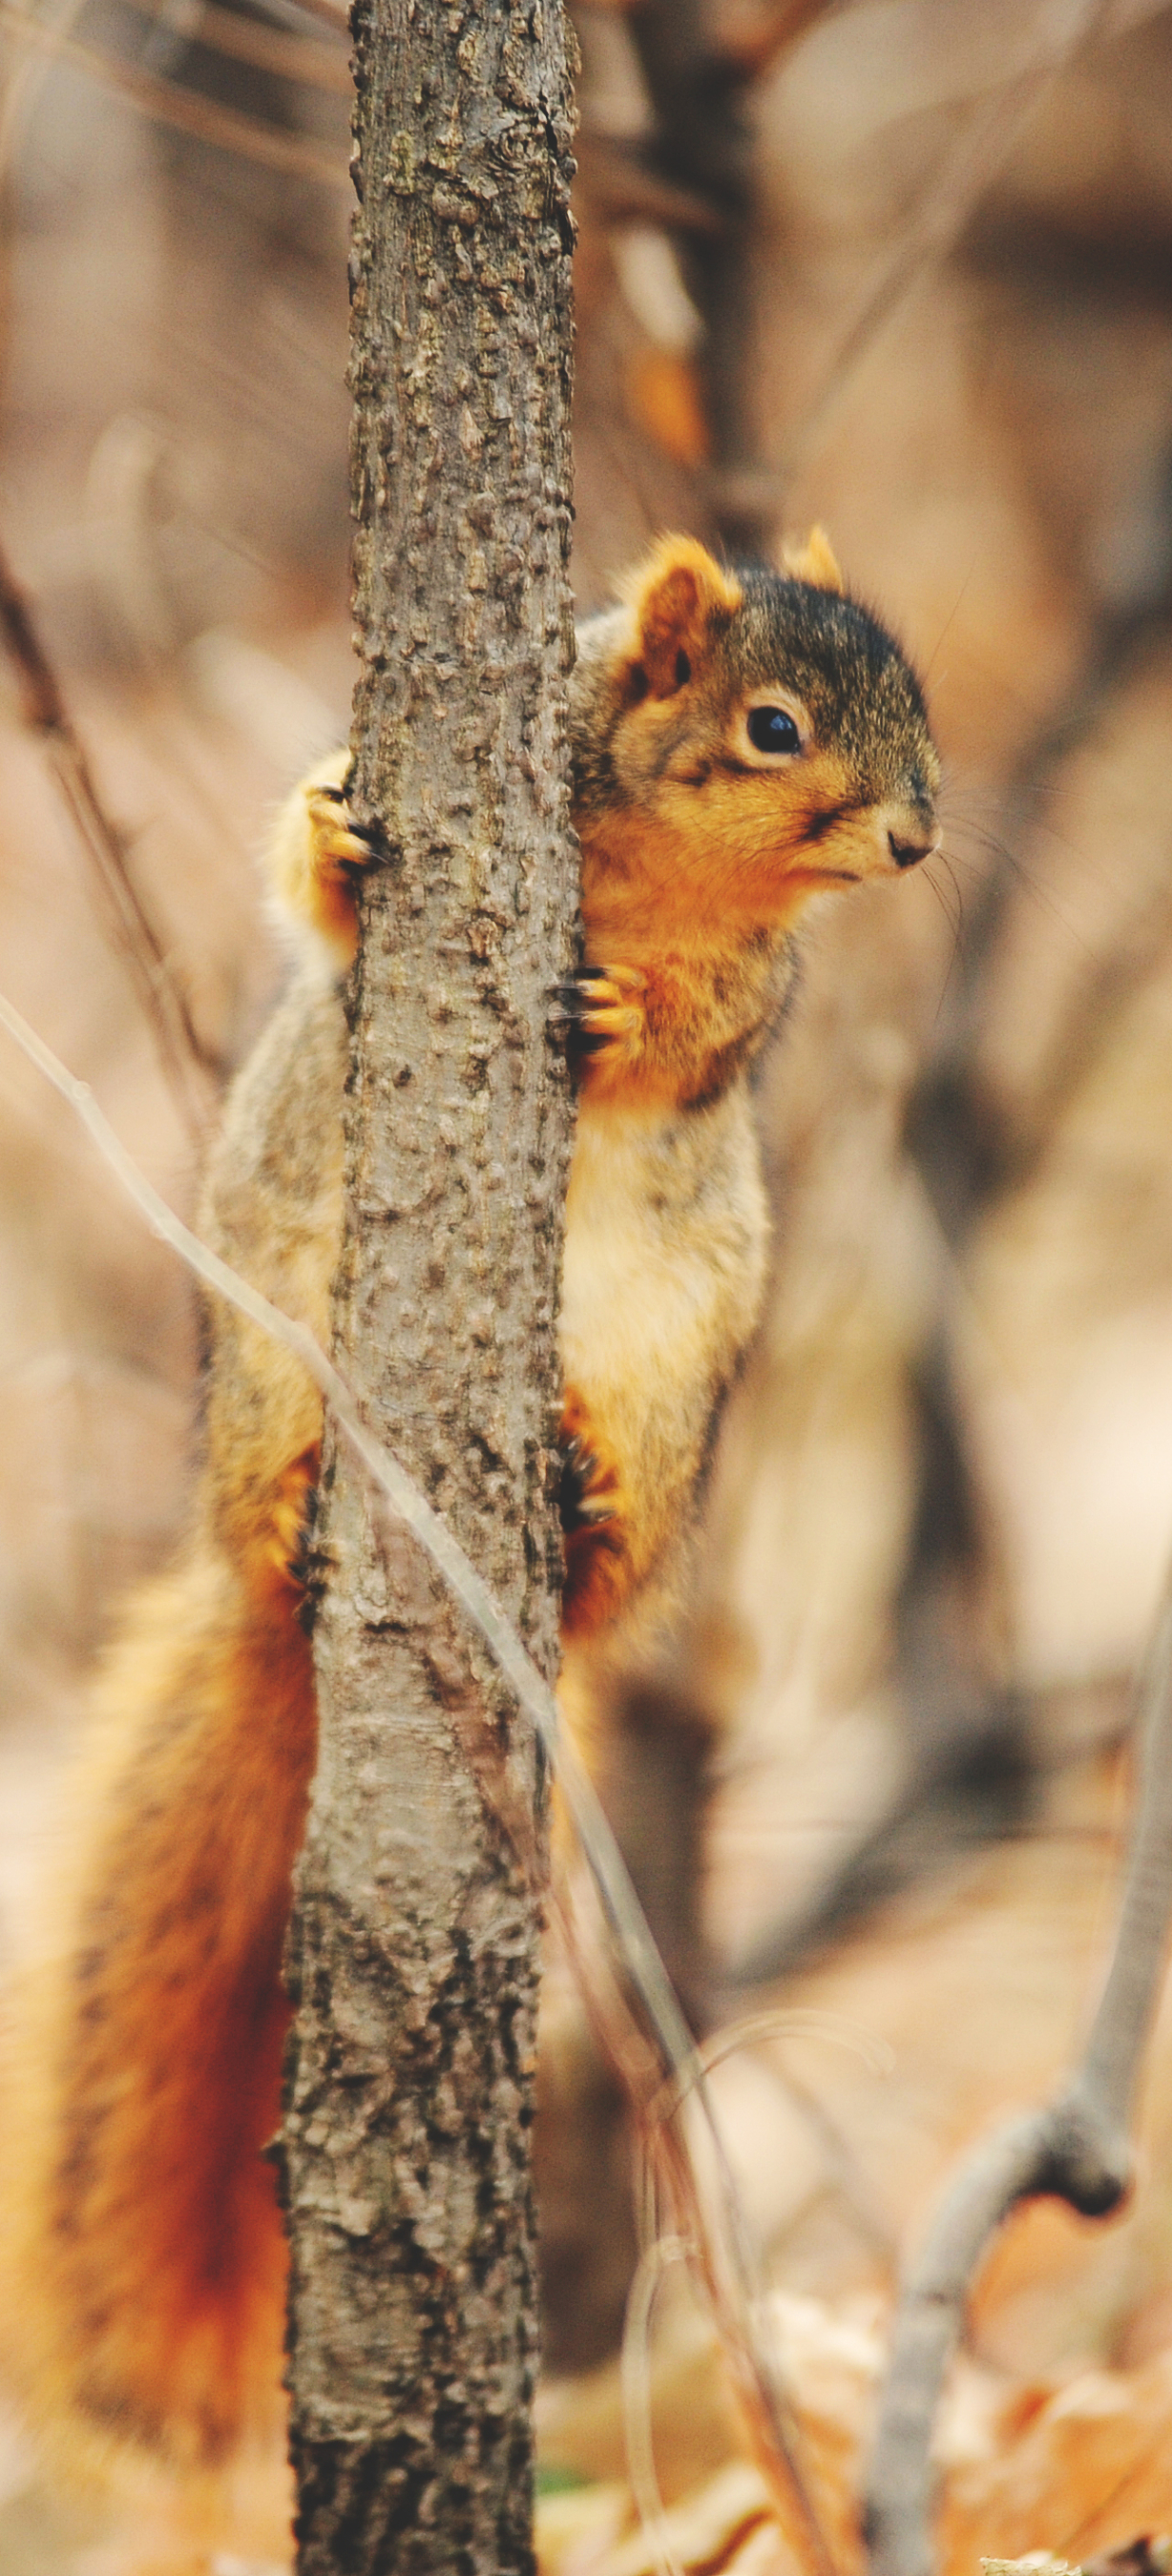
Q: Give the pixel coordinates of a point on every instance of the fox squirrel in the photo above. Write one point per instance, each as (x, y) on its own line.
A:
(740, 742)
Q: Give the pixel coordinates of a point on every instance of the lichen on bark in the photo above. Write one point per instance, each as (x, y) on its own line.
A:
(413, 1956)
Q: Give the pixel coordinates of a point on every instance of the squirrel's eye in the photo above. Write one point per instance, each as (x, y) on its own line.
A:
(773, 729)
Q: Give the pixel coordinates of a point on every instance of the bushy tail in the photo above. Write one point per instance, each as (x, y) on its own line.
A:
(142, 2240)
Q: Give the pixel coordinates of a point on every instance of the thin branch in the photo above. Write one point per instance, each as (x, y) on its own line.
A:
(1077, 2149)
(675, 2074)
(625, 187)
(751, 39)
(723, 2257)
(170, 104)
(182, 1053)
(26, 79)
(702, 142)
(269, 49)
(935, 224)
(332, 13)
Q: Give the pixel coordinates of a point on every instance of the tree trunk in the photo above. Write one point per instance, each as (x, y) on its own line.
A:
(413, 1954)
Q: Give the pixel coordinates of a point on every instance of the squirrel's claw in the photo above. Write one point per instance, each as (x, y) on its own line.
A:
(339, 843)
(598, 1008)
(580, 1504)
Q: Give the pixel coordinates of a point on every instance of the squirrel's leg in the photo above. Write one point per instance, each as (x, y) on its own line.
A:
(153, 2259)
(598, 1572)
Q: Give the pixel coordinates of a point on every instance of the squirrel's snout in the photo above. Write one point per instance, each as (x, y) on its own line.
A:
(908, 829)
(908, 853)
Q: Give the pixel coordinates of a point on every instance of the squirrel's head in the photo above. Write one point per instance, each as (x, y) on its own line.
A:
(757, 730)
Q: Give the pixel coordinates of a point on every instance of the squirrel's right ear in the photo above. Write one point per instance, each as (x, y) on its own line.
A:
(675, 600)
(814, 562)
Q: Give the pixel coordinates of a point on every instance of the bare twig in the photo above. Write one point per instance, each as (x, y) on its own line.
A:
(625, 187)
(750, 37)
(658, 2057)
(718, 2242)
(227, 127)
(185, 1060)
(25, 78)
(701, 142)
(269, 49)
(953, 192)
(1077, 2149)
(332, 13)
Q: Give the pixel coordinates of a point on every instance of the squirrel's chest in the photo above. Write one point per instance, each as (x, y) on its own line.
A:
(666, 1231)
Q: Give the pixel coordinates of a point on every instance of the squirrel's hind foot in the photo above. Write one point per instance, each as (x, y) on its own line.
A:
(594, 1524)
(290, 1546)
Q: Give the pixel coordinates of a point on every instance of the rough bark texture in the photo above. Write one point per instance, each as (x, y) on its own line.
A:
(414, 1950)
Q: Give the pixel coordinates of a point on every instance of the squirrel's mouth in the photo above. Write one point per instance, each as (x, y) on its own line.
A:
(812, 878)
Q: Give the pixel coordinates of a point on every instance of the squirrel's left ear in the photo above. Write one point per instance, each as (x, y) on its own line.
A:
(676, 599)
(814, 562)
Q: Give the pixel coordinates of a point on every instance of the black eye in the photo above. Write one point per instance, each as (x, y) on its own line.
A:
(771, 729)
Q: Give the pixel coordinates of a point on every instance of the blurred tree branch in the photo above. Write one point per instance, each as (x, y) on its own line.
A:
(1076, 2150)
(701, 141)
(188, 1065)
(269, 49)
(227, 127)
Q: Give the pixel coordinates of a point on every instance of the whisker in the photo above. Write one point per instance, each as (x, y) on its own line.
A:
(1030, 883)
(952, 615)
(954, 921)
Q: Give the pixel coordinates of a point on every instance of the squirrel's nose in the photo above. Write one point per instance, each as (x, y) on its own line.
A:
(908, 853)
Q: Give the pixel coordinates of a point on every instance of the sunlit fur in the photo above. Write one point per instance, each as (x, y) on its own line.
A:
(141, 2253)
(142, 2248)
(698, 857)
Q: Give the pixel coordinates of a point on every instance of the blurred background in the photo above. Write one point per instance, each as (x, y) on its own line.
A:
(904, 267)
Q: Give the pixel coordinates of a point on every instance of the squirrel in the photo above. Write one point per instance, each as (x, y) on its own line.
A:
(741, 740)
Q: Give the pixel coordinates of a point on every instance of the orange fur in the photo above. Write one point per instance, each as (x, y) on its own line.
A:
(154, 2253)
(596, 1554)
(699, 854)
(142, 2244)
(814, 562)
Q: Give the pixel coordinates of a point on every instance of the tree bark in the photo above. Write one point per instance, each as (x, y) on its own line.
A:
(413, 1954)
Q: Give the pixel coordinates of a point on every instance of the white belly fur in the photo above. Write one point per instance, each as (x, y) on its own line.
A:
(666, 1232)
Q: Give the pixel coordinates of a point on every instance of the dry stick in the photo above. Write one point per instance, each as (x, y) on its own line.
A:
(228, 127)
(332, 13)
(751, 44)
(932, 231)
(183, 1056)
(721, 2255)
(701, 141)
(624, 187)
(267, 48)
(1078, 2150)
(1093, 1018)
(24, 82)
(678, 2072)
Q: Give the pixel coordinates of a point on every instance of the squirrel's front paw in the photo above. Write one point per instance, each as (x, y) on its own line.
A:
(338, 844)
(600, 1011)
(316, 852)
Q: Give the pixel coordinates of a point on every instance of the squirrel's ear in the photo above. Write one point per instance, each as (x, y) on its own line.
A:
(675, 600)
(814, 562)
